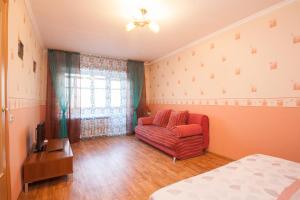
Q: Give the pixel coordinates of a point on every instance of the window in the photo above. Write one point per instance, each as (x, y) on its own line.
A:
(108, 88)
(93, 91)
(86, 91)
(100, 91)
(72, 83)
(115, 93)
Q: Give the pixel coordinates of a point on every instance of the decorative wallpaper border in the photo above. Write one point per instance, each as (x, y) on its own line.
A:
(19, 103)
(269, 102)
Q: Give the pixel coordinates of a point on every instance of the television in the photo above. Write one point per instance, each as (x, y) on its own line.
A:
(40, 136)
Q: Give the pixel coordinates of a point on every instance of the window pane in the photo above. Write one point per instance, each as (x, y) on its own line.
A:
(115, 84)
(72, 99)
(115, 98)
(86, 98)
(100, 98)
(66, 81)
(75, 97)
(85, 83)
(99, 83)
(78, 99)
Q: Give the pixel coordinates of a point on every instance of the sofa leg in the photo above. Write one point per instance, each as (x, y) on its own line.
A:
(174, 160)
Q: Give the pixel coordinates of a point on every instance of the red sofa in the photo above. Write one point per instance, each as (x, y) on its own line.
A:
(181, 142)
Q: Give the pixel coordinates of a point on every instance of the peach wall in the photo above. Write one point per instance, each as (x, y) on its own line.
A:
(26, 89)
(21, 133)
(245, 78)
(239, 131)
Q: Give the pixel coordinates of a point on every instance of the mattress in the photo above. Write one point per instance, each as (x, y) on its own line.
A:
(255, 177)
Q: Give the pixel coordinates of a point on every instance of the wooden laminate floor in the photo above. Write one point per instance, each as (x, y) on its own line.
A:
(119, 168)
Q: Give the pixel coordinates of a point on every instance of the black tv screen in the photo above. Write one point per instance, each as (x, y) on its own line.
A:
(40, 136)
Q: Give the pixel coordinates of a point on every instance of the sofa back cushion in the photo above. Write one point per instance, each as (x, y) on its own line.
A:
(161, 118)
(177, 118)
(187, 130)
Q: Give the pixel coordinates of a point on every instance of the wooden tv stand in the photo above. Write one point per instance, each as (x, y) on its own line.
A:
(48, 164)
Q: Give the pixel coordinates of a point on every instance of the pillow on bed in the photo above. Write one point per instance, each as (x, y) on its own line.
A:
(161, 118)
(292, 192)
(177, 118)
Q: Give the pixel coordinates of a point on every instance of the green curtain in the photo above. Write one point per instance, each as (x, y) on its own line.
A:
(135, 71)
(60, 64)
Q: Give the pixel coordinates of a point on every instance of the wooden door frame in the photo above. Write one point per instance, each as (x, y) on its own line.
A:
(5, 62)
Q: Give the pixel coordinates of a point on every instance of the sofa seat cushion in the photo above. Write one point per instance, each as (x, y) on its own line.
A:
(157, 134)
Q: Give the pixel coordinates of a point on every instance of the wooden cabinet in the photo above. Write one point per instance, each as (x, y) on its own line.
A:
(48, 164)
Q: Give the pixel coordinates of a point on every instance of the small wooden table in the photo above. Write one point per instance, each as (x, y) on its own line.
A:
(43, 165)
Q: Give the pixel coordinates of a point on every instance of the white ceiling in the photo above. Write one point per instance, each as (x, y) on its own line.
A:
(98, 26)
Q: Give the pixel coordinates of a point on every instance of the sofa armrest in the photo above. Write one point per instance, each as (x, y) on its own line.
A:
(187, 130)
(145, 120)
(204, 122)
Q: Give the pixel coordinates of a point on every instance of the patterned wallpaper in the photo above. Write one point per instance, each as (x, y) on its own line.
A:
(253, 64)
(26, 88)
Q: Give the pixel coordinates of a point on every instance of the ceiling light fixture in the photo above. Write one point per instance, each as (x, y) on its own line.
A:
(141, 21)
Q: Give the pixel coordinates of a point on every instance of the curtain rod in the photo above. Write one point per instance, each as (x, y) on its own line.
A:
(63, 51)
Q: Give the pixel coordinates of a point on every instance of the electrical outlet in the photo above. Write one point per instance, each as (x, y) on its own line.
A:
(11, 118)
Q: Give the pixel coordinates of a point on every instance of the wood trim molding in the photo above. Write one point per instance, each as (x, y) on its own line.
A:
(5, 63)
(223, 157)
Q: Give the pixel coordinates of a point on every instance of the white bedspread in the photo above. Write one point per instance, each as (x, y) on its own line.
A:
(255, 177)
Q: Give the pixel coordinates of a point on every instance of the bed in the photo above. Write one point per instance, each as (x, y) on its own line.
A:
(255, 177)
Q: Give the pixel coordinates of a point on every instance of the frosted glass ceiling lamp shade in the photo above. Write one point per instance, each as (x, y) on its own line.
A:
(142, 20)
(130, 26)
(154, 27)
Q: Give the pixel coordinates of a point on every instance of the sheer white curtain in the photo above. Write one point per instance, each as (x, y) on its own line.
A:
(103, 96)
